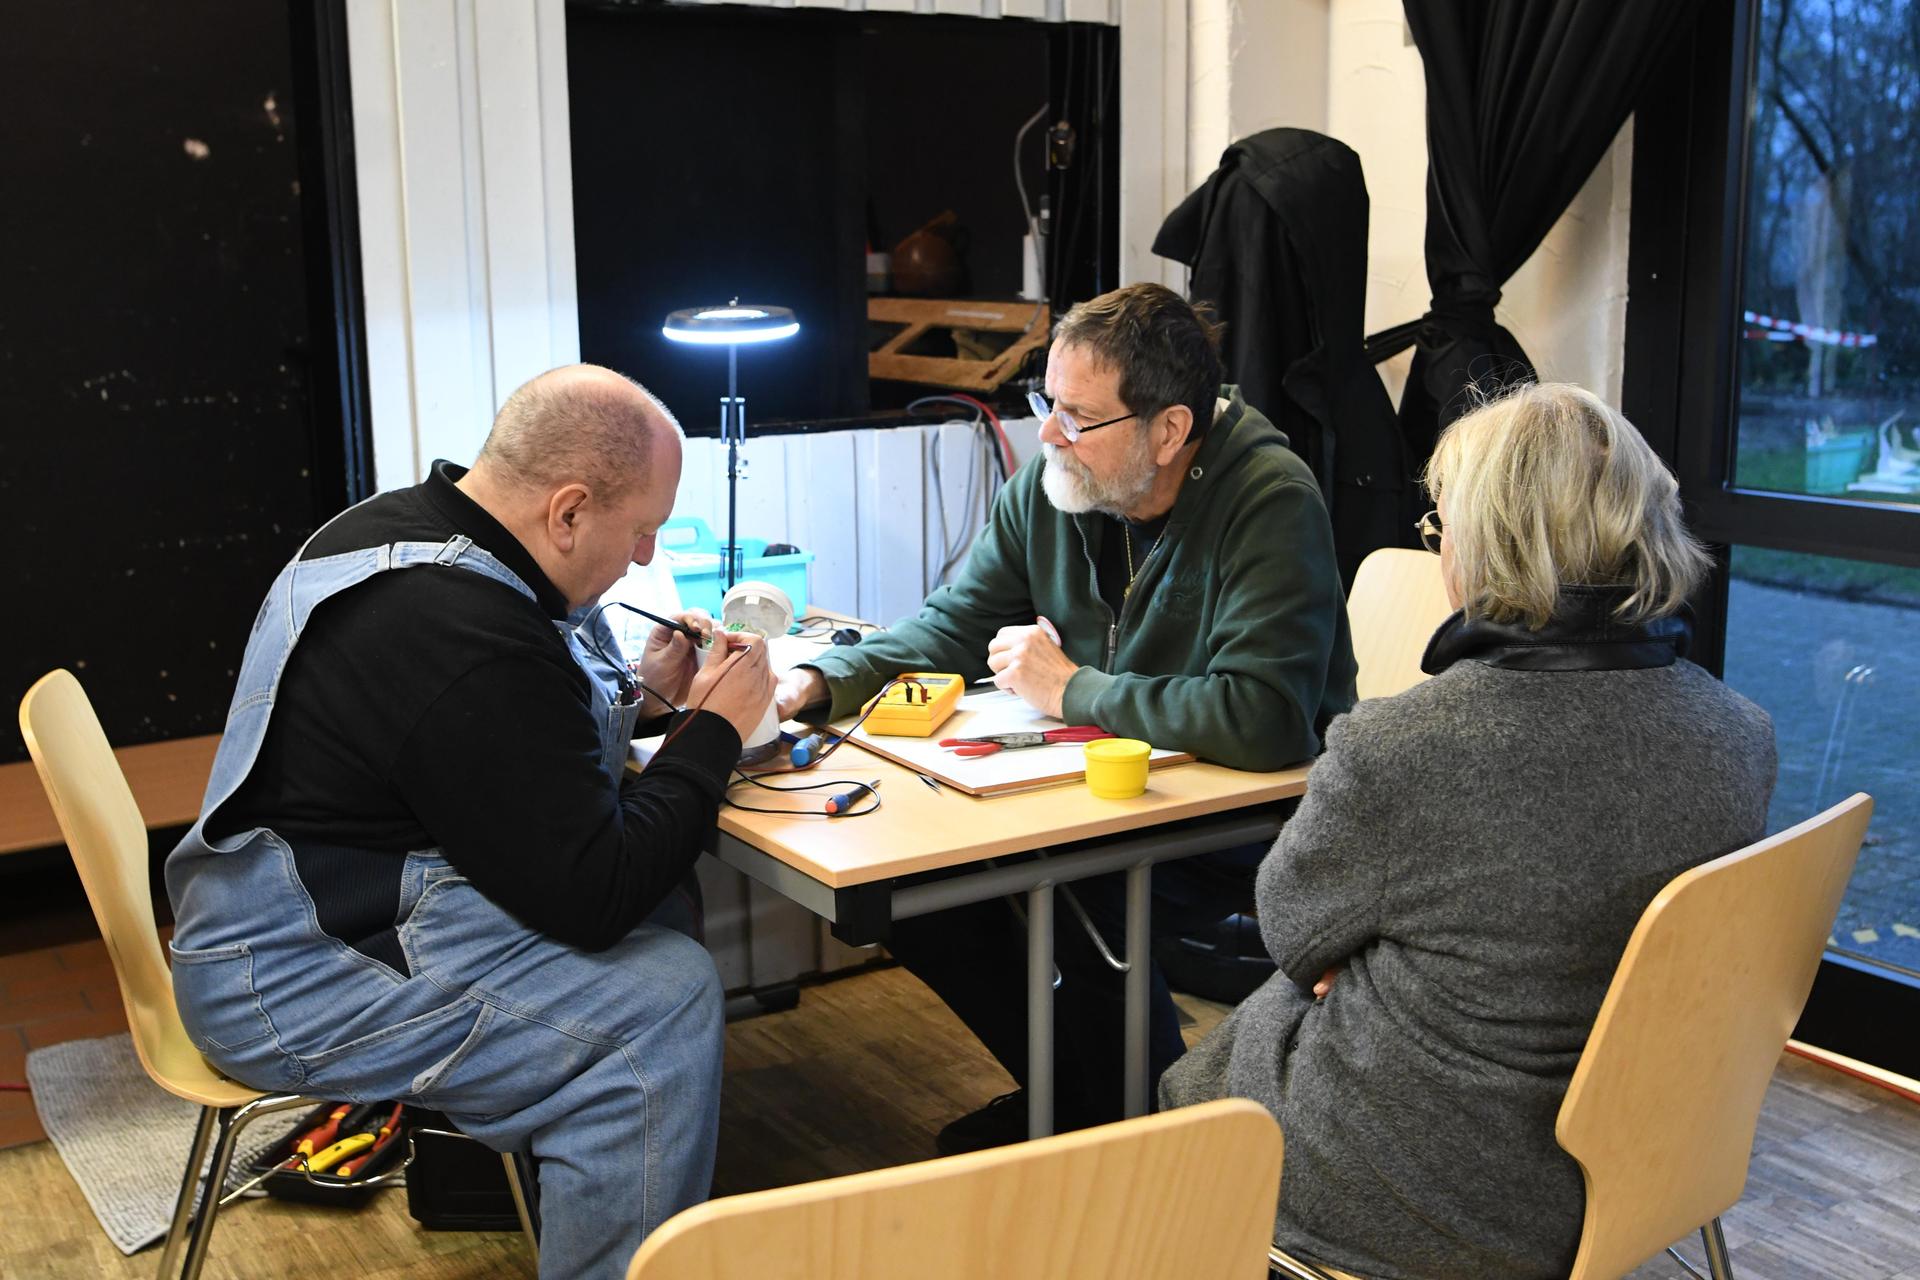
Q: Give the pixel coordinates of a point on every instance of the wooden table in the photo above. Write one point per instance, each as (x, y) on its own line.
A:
(850, 870)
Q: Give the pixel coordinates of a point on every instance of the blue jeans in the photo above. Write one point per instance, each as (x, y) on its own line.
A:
(605, 1066)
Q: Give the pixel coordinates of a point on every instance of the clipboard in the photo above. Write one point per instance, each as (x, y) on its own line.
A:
(996, 711)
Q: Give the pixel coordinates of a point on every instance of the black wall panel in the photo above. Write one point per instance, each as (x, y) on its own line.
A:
(157, 459)
(720, 155)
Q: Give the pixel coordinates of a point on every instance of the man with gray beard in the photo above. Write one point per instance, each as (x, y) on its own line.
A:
(1165, 571)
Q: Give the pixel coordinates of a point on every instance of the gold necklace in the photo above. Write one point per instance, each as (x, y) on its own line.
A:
(1126, 531)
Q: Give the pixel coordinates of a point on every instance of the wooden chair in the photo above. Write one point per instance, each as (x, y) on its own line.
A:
(1187, 1194)
(108, 840)
(1663, 1106)
(1664, 1102)
(1397, 602)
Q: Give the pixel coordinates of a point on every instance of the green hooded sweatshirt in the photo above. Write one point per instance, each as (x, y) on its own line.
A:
(1232, 644)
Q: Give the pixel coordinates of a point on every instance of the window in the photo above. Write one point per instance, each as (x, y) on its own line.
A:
(1829, 350)
(1773, 357)
(1829, 648)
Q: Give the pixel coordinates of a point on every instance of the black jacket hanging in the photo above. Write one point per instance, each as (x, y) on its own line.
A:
(1277, 240)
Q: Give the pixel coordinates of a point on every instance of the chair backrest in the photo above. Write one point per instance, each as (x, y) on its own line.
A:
(1187, 1193)
(108, 840)
(1663, 1105)
(1397, 602)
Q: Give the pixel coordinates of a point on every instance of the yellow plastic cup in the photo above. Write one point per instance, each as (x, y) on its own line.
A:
(1117, 767)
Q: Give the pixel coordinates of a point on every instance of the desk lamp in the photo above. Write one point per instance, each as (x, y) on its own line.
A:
(731, 326)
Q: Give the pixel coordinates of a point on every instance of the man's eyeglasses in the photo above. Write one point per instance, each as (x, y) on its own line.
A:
(1068, 427)
(1429, 528)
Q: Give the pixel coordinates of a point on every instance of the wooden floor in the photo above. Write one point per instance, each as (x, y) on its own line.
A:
(864, 1072)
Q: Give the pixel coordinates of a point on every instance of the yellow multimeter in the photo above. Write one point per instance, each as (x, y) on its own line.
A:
(914, 705)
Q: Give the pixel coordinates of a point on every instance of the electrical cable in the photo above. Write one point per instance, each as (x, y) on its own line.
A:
(632, 668)
(953, 547)
(928, 581)
(731, 663)
(988, 449)
(1033, 225)
(816, 625)
(872, 789)
(754, 777)
(1100, 109)
(985, 410)
(957, 550)
(838, 740)
(1050, 284)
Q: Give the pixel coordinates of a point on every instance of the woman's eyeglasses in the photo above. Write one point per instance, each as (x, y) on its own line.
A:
(1429, 529)
(1068, 427)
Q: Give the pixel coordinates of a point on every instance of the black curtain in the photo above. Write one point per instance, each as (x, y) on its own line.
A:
(1523, 99)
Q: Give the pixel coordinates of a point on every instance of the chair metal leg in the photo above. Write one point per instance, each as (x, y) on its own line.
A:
(1715, 1243)
(1292, 1268)
(227, 1124)
(1680, 1259)
(1040, 1011)
(189, 1184)
(201, 1229)
(517, 1172)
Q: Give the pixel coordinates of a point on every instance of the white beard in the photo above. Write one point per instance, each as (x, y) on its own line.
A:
(1065, 482)
(1073, 489)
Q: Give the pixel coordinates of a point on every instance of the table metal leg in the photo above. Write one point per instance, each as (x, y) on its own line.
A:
(1139, 970)
(1040, 1011)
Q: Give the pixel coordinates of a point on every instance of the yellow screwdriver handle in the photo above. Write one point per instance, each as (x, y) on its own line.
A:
(339, 1151)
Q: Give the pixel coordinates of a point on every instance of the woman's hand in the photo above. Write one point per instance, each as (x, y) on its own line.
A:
(1327, 979)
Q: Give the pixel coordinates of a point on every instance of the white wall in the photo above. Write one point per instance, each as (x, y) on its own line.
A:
(1566, 305)
(466, 216)
(1252, 65)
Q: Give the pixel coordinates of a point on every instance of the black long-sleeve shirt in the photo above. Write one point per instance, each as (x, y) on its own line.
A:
(435, 707)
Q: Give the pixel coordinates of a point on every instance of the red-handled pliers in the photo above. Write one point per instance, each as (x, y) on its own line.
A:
(993, 742)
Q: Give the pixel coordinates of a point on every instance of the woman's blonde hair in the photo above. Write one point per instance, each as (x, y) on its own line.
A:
(1549, 487)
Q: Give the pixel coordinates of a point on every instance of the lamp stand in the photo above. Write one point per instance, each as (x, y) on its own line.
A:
(733, 429)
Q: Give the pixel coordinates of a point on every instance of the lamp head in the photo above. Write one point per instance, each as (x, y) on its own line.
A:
(731, 324)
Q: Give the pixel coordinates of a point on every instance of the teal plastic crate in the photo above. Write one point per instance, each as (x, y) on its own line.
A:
(703, 583)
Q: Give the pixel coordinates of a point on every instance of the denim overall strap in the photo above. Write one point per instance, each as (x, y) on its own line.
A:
(616, 694)
(300, 588)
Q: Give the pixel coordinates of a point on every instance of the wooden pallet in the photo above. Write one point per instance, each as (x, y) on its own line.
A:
(922, 315)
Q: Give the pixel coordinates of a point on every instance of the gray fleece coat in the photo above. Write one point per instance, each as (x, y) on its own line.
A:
(1475, 852)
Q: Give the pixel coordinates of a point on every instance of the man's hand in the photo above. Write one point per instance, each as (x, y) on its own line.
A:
(669, 660)
(800, 688)
(1327, 979)
(735, 682)
(1030, 662)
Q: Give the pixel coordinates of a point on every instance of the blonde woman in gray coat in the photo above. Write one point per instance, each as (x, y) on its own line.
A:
(1447, 906)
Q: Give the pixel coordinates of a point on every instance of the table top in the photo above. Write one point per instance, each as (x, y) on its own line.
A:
(917, 829)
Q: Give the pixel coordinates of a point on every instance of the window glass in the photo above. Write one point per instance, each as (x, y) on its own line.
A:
(1829, 364)
(1831, 649)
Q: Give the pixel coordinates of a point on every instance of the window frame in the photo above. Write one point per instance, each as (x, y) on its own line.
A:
(1693, 137)
(1681, 366)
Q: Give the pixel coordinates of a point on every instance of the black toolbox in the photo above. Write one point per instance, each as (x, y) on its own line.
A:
(288, 1181)
(455, 1183)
